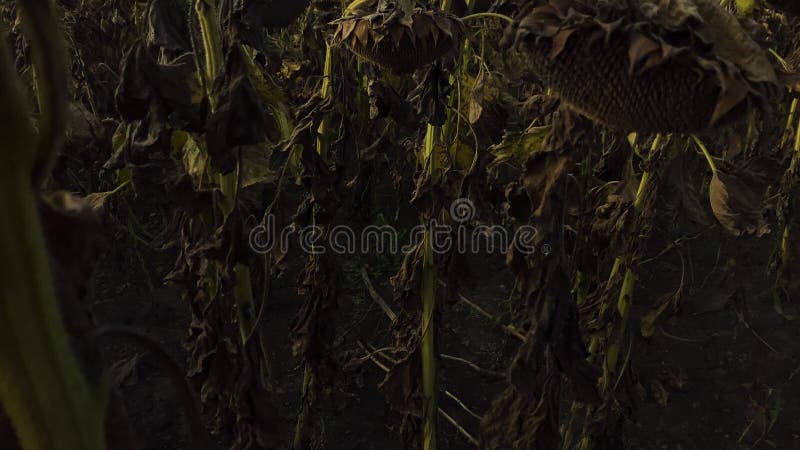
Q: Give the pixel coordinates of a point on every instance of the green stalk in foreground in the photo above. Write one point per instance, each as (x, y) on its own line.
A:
(625, 300)
(49, 82)
(42, 387)
(428, 348)
(212, 39)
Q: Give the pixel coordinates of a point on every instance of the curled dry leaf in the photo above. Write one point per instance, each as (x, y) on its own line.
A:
(736, 206)
(523, 422)
(239, 117)
(171, 89)
(167, 25)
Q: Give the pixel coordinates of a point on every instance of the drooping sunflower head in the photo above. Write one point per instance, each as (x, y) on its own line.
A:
(398, 39)
(655, 66)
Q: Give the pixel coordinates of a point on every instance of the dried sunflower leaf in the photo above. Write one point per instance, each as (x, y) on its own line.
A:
(445, 26)
(386, 43)
(641, 47)
(736, 206)
(732, 43)
(397, 35)
(172, 86)
(167, 25)
(560, 41)
(347, 28)
(673, 14)
(733, 94)
(362, 32)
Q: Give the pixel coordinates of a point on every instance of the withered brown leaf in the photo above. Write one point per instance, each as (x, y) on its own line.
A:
(736, 206)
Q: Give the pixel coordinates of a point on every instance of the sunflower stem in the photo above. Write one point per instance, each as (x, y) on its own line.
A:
(429, 159)
(428, 351)
(624, 302)
(789, 122)
(212, 41)
(245, 311)
(625, 299)
(355, 4)
(326, 91)
(486, 15)
(711, 163)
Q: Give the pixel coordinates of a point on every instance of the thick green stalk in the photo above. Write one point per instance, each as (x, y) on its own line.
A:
(711, 163)
(212, 40)
(326, 91)
(428, 351)
(433, 137)
(42, 388)
(789, 122)
(228, 185)
(797, 140)
(785, 241)
(625, 299)
(246, 312)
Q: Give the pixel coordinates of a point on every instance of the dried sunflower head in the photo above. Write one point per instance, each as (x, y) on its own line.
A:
(658, 66)
(390, 39)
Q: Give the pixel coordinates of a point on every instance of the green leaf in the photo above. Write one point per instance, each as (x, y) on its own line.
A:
(746, 7)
